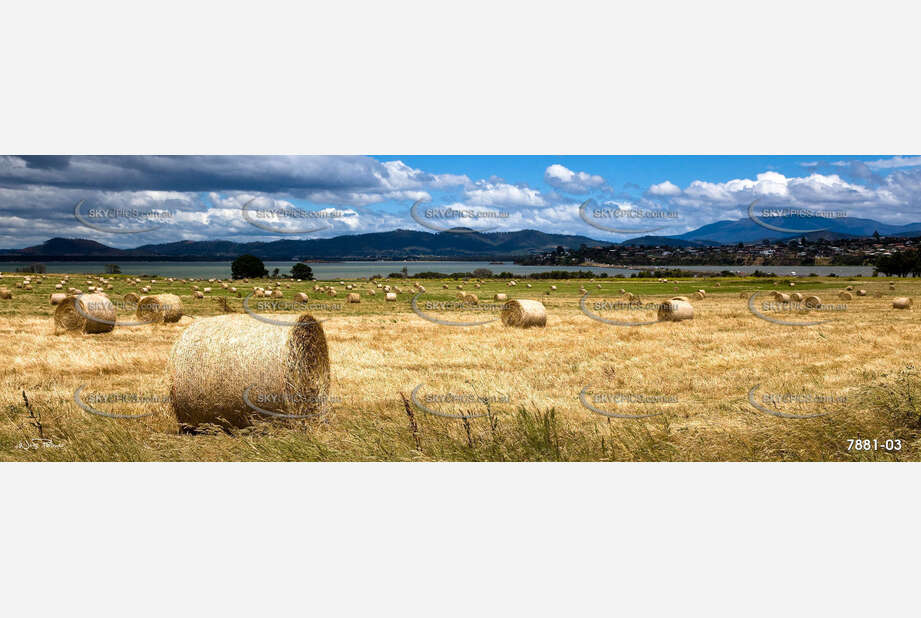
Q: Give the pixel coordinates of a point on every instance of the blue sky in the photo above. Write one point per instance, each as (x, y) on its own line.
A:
(264, 198)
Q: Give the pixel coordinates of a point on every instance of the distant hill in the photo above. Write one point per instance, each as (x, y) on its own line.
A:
(454, 245)
(747, 230)
(394, 245)
(667, 241)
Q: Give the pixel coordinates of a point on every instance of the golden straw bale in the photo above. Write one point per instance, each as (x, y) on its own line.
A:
(282, 369)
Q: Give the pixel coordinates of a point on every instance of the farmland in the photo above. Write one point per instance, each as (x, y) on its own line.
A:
(677, 391)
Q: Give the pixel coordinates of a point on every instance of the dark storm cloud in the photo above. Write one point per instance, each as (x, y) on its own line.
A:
(270, 174)
(46, 162)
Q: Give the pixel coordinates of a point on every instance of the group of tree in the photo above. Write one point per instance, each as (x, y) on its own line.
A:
(251, 267)
(900, 264)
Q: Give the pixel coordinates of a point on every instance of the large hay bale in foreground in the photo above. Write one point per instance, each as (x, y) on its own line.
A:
(675, 310)
(87, 313)
(57, 299)
(285, 368)
(524, 313)
(901, 303)
(159, 308)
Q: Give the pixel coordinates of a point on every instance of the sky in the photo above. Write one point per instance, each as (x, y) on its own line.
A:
(128, 201)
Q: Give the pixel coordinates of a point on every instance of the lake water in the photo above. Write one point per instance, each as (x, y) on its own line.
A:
(354, 270)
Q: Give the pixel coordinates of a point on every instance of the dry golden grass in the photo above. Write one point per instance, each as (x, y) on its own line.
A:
(531, 379)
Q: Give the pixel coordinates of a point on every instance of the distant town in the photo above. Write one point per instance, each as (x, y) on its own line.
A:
(788, 252)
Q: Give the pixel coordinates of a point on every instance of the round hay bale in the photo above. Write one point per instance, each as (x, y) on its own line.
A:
(58, 286)
(205, 290)
(902, 302)
(5, 293)
(849, 288)
(702, 291)
(622, 291)
(552, 287)
(56, 299)
(861, 292)
(845, 296)
(278, 294)
(501, 297)
(473, 299)
(88, 313)
(372, 292)
(391, 297)
(782, 298)
(797, 297)
(528, 284)
(675, 310)
(717, 284)
(792, 284)
(216, 360)
(159, 308)
(131, 298)
(813, 302)
(524, 313)
(199, 294)
(300, 297)
(353, 298)
(698, 295)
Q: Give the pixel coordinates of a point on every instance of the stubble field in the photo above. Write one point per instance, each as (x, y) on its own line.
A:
(493, 393)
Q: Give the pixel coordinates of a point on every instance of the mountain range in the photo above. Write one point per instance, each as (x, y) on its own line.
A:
(456, 244)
